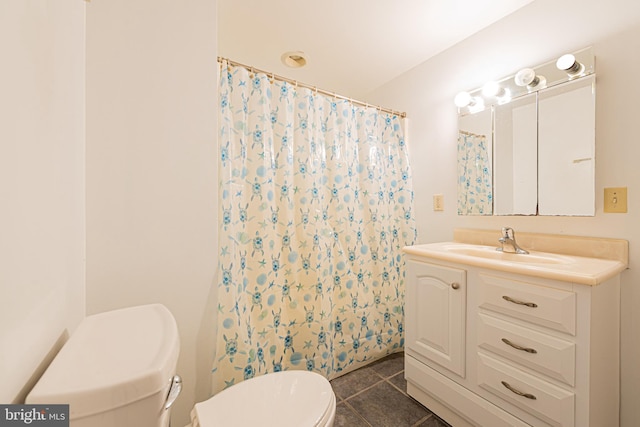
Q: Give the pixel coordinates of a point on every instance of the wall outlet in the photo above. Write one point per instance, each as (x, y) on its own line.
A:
(438, 202)
(615, 200)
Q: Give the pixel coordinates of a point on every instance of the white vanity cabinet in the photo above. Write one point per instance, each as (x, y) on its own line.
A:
(487, 347)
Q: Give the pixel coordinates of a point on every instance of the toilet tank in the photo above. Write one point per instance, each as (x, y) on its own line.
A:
(116, 370)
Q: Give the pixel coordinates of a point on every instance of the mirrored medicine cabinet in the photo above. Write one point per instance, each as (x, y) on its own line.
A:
(526, 144)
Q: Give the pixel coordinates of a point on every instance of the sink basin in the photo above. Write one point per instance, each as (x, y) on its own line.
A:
(491, 253)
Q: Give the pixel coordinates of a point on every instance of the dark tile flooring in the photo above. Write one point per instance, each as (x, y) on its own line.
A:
(376, 396)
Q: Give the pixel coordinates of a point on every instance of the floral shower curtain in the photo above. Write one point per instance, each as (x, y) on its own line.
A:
(316, 204)
(475, 195)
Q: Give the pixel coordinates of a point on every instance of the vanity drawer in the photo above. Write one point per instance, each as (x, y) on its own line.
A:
(552, 404)
(541, 352)
(552, 308)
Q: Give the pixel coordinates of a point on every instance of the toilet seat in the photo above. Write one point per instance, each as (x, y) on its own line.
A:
(282, 399)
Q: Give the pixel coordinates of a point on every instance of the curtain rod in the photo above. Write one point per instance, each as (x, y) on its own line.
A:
(464, 132)
(315, 89)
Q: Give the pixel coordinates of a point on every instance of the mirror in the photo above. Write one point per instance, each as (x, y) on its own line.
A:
(516, 145)
(566, 149)
(475, 189)
(536, 142)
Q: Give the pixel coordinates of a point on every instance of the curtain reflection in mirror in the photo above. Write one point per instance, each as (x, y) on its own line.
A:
(475, 195)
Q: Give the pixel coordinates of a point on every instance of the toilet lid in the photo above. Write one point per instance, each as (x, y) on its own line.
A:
(282, 399)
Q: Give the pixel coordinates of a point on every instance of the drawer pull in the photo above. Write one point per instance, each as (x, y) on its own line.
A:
(515, 301)
(518, 347)
(455, 285)
(518, 392)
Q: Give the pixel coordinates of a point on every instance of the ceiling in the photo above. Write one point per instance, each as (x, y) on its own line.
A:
(352, 46)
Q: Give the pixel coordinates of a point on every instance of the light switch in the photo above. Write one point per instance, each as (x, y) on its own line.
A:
(438, 202)
(615, 200)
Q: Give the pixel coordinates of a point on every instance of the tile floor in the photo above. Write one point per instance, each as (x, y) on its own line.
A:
(376, 396)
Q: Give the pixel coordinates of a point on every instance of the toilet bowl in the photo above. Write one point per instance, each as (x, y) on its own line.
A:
(281, 399)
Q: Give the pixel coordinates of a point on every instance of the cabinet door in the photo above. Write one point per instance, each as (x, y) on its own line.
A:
(435, 310)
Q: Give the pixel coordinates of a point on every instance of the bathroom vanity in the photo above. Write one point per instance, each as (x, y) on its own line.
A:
(498, 339)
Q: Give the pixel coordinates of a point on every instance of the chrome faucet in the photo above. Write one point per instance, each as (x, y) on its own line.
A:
(508, 242)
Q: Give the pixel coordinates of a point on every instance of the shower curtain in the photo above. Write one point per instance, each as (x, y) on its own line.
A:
(475, 195)
(315, 207)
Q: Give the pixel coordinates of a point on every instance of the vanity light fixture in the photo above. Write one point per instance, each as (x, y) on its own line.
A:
(570, 65)
(528, 77)
(527, 81)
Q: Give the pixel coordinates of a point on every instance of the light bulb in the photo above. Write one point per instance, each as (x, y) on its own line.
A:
(526, 77)
(568, 64)
(463, 99)
(476, 105)
(491, 89)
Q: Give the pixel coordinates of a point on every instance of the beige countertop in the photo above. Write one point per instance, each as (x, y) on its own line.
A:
(583, 270)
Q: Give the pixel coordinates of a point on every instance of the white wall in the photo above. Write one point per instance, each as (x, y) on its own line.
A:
(539, 32)
(151, 169)
(41, 185)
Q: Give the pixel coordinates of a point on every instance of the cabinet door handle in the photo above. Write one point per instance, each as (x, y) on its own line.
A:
(515, 301)
(518, 392)
(519, 347)
(455, 285)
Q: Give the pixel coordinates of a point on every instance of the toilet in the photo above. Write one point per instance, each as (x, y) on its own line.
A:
(118, 369)
(281, 399)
